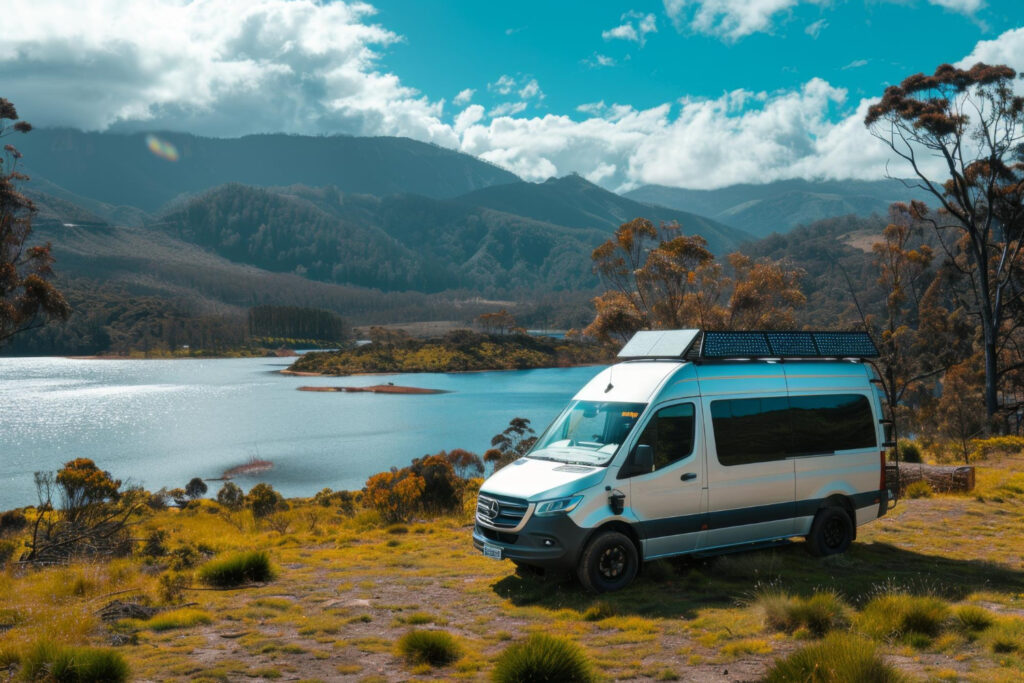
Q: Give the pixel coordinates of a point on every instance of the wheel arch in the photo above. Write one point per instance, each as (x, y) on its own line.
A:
(613, 525)
(842, 501)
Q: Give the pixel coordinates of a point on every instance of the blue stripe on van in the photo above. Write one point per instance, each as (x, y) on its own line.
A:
(685, 524)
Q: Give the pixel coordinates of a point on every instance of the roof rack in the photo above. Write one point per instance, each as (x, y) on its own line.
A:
(699, 345)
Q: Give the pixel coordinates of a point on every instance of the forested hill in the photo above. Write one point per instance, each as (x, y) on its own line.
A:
(782, 205)
(120, 170)
(397, 243)
(574, 202)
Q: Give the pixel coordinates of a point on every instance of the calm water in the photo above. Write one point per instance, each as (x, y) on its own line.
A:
(161, 422)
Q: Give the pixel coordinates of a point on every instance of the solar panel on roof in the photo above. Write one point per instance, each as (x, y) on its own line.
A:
(799, 344)
(735, 345)
(748, 344)
(659, 344)
(845, 344)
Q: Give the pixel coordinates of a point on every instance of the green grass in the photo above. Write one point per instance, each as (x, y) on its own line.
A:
(901, 616)
(179, 618)
(46, 661)
(238, 568)
(818, 614)
(839, 658)
(543, 658)
(972, 620)
(436, 648)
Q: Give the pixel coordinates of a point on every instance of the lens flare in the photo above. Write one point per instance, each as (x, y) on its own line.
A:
(161, 148)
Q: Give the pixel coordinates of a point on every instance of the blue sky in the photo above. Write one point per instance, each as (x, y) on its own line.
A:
(861, 46)
(687, 93)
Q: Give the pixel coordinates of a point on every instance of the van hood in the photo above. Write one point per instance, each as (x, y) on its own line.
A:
(535, 479)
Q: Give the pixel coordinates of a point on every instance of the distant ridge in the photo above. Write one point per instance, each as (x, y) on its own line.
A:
(119, 170)
(782, 205)
(574, 202)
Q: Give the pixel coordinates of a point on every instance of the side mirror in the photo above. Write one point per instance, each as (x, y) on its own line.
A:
(643, 459)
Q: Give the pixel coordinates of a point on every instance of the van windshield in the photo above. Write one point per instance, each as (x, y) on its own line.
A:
(587, 432)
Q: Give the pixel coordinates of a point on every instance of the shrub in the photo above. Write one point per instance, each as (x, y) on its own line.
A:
(435, 648)
(598, 611)
(263, 500)
(345, 500)
(395, 494)
(51, 662)
(909, 451)
(12, 521)
(230, 496)
(171, 587)
(442, 488)
(918, 489)
(902, 616)
(7, 550)
(997, 445)
(154, 544)
(819, 614)
(543, 658)
(836, 659)
(233, 570)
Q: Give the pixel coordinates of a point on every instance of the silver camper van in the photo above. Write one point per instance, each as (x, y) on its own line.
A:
(697, 442)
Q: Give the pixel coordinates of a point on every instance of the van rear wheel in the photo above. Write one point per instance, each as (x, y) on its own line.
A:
(831, 532)
(610, 562)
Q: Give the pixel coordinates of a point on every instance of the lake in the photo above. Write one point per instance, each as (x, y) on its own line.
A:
(161, 422)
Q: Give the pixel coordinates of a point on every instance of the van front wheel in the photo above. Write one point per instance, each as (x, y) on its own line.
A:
(831, 532)
(609, 562)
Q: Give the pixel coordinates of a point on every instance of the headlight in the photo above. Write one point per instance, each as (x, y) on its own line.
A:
(559, 506)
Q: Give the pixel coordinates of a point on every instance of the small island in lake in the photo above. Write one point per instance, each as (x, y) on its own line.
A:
(457, 351)
(378, 389)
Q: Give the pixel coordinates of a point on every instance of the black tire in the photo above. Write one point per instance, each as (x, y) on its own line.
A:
(608, 563)
(831, 532)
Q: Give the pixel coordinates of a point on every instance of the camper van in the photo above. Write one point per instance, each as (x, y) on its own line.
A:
(697, 442)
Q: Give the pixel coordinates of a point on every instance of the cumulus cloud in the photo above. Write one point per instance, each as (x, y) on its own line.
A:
(464, 97)
(734, 19)
(634, 28)
(228, 67)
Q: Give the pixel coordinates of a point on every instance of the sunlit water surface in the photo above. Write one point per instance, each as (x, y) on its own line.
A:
(161, 422)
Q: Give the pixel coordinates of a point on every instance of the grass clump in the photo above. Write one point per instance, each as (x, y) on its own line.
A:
(51, 662)
(837, 658)
(918, 489)
(238, 568)
(543, 658)
(1005, 636)
(818, 614)
(598, 611)
(904, 617)
(972, 620)
(436, 648)
(179, 618)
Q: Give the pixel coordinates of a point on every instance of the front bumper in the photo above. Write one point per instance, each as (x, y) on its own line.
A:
(549, 542)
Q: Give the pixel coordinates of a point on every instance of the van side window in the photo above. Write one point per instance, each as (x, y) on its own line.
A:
(670, 432)
(749, 430)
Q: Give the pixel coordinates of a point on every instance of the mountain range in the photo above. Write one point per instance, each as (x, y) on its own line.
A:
(377, 229)
(782, 205)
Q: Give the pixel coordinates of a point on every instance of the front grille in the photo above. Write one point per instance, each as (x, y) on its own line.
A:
(499, 511)
(499, 536)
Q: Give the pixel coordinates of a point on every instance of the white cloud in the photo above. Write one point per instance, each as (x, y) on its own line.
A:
(962, 6)
(598, 60)
(855, 64)
(467, 117)
(814, 29)
(635, 28)
(734, 19)
(1008, 48)
(464, 97)
(530, 90)
(228, 67)
(504, 85)
(507, 109)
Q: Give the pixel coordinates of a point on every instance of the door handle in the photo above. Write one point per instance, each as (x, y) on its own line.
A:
(689, 476)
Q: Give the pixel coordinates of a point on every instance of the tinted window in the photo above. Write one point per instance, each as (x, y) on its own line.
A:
(751, 430)
(822, 424)
(670, 433)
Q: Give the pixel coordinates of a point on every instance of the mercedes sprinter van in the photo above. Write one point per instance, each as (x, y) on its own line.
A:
(697, 442)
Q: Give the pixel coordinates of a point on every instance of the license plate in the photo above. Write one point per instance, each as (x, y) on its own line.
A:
(492, 551)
